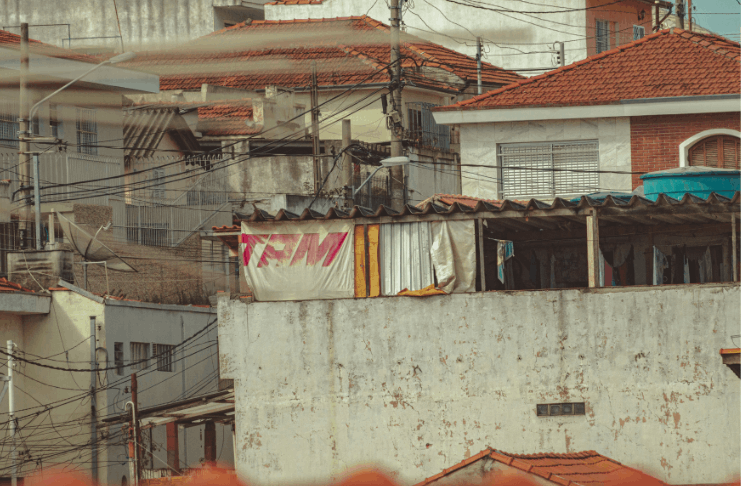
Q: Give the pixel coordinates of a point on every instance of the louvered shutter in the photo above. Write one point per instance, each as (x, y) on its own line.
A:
(731, 156)
(720, 151)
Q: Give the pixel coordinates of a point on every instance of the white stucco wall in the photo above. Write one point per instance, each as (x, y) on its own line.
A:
(479, 145)
(416, 385)
(520, 37)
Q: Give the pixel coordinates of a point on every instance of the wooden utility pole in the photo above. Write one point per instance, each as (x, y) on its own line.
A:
(689, 15)
(657, 16)
(397, 131)
(315, 127)
(347, 163)
(136, 433)
(24, 147)
(478, 64)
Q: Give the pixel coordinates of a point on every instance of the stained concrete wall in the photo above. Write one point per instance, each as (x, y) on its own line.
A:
(416, 385)
(479, 145)
(144, 24)
(521, 38)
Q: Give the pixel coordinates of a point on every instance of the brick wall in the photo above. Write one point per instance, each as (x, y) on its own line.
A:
(655, 140)
(625, 14)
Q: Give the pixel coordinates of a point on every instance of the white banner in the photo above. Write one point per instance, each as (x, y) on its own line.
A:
(299, 261)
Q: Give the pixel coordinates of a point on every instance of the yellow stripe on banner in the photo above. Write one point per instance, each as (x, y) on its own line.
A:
(360, 290)
(373, 266)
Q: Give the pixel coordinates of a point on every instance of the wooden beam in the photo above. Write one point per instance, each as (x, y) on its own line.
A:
(482, 266)
(593, 248)
(615, 231)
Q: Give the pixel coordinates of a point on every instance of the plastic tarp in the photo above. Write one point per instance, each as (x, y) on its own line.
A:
(453, 253)
(299, 261)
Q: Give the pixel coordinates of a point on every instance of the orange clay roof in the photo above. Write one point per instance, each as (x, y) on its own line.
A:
(669, 63)
(347, 51)
(8, 286)
(726, 352)
(580, 468)
(470, 201)
(9, 40)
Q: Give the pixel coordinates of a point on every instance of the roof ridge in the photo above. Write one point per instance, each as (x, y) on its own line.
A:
(688, 35)
(562, 69)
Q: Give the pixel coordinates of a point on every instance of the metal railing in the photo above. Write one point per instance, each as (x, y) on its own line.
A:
(375, 192)
(422, 129)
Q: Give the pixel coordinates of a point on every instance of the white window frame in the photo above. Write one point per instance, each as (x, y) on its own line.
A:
(642, 30)
(539, 149)
(87, 131)
(158, 178)
(684, 147)
(605, 38)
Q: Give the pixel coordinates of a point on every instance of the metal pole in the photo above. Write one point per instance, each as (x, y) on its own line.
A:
(37, 202)
(347, 164)
(315, 127)
(182, 376)
(562, 53)
(93, 411)
(397, 150)
(593, 248)
(133, 446)
(137, 431)
(11, 416)
(734, 247)
(680, 12)
(478, 63)
(24, 147)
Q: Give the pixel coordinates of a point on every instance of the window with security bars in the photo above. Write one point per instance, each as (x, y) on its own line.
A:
(158, 183)
(118, 358)
(549, 170)
(638, 32)
(55, 122)
(163, 355)
(87, 131)
(603, 36)
(720, 151)
(139, 356)
(9, 125)
(554, 409)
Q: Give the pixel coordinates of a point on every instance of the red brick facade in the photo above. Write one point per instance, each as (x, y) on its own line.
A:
(622, 16)
(654, 140)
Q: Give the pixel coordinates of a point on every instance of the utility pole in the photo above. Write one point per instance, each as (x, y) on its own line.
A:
(680, 12)
(561, 54)
(136, 432)
(93, 404)
(11, 417)
(347, 164)
(37, 201)
(396, 172)
(689, 15)
(478, 63)
(315, 127)
(24, 147)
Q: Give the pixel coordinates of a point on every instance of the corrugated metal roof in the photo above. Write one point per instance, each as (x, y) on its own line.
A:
(614, 206)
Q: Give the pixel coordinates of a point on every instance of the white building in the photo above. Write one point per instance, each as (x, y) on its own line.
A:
(53, 407)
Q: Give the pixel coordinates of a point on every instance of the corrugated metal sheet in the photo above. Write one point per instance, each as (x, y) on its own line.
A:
(405, 257)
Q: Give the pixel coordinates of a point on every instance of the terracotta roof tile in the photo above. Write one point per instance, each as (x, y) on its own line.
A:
(580, 468)
(8, 286)
(670, 63)
(13, 41)
(347, 51)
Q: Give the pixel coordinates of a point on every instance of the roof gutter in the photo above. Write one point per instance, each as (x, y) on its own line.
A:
(685, 105)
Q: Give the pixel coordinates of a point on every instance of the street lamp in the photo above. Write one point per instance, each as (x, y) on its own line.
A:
(390, 162)
(126, 56)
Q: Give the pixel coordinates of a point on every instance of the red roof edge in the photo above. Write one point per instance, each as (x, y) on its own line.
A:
(454, 468)
(725, 352)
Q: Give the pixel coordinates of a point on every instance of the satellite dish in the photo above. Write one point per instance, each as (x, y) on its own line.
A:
(90, 247)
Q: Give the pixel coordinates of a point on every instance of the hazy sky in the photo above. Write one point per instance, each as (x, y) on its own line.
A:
(720, 16)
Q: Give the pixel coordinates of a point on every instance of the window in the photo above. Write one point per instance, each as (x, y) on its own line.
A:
(638, 32)
(163, 354)
(9, 125)
(553, 409)
(720, 151)
(55, 123)
(139, 356)
(616, 28)
(87, 132)
(158, 183)
(549, 169)
(603, 36)
(118, 358)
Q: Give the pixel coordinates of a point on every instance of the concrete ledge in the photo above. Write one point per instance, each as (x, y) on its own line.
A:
(24, 303)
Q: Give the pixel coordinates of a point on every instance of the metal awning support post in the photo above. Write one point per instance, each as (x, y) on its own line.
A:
(734, 247)
(482, 263)
(593, 248)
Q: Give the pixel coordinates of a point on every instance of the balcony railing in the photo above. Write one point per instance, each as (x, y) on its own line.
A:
(422, 129)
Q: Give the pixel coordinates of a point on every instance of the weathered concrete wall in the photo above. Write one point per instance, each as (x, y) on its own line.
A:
(144, 24)
(419, 384)
(479, 145)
